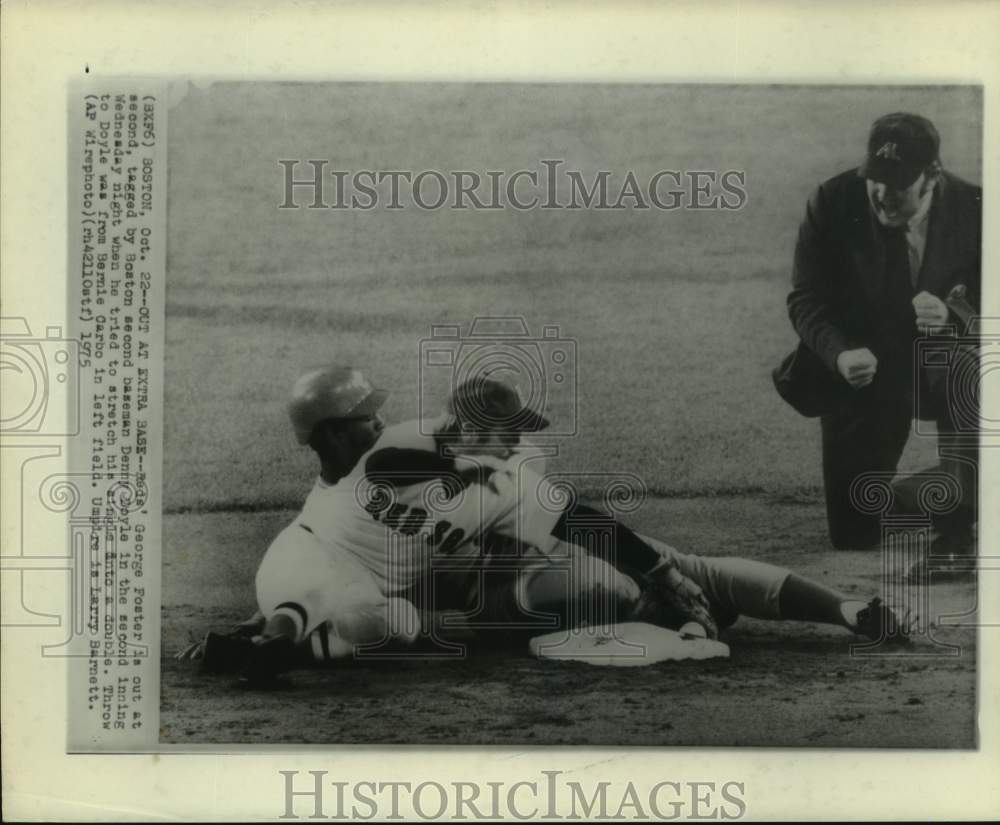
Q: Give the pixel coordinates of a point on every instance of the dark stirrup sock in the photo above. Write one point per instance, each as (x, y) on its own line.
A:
(592, 529)
(804, 600)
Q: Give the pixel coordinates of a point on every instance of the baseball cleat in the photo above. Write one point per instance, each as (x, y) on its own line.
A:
(950, 568)
(224, 653)
(879, 622)
(952, 558)
(267, 660)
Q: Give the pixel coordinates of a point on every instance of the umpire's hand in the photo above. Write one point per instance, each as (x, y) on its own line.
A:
(931, 312)
(857, 366)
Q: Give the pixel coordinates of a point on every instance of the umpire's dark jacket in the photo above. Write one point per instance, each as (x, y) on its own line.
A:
(840, 299)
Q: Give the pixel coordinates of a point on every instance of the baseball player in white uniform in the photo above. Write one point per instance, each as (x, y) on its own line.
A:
(367, 536)
(393, 506)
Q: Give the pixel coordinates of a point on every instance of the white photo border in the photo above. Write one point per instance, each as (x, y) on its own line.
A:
(46, 45)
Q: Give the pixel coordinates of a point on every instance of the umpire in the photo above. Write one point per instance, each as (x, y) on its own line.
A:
(886, 253)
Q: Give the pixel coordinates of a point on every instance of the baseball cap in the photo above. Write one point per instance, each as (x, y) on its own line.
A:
(333, 391)
(490, 404)
(900, 146)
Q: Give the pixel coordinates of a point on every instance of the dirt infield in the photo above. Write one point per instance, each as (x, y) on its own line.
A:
(677, 319)
(786, 684)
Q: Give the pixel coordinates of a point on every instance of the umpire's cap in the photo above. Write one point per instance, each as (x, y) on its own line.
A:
(900, 147)
(333, 391)
(488, 404)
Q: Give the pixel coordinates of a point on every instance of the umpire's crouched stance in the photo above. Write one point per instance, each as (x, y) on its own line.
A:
(886, 253)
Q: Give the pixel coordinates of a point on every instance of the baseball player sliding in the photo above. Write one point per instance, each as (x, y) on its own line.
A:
(411, 516)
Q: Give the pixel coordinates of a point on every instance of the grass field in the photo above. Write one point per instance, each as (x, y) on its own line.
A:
(678, 318)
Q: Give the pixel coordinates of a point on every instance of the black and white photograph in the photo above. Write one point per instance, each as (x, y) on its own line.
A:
(571, 414)
(488, 411)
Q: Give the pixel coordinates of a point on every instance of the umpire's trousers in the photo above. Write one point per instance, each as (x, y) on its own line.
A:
(868, 433)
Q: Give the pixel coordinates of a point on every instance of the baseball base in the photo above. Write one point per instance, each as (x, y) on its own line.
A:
(630, 644)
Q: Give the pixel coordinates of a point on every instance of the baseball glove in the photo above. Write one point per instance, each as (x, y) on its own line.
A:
(670, 599)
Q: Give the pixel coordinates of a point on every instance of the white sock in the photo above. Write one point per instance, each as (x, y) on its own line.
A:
(849, 610)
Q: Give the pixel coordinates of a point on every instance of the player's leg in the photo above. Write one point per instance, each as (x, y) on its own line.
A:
(532, 594)
(304, 587)
(302, 584)
(371, 623)
(732, 586)
(667, 597)
(289, 558)
(578, 588)
(737, 586)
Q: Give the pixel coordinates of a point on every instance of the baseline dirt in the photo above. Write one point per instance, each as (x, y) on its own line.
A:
(786, 684)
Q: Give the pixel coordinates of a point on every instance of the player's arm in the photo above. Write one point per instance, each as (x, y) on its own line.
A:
(525, 509)
(401, 467)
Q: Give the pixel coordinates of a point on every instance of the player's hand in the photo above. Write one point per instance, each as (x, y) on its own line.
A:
(481, 469)
(932, 312)
(671, 599)
(857, 366)
(691, 600)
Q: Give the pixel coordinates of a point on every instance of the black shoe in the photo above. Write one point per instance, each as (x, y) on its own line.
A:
(954, 543)
(217, 652)
(951, 558)
(880, 622)
(267, 660)
(224, 653)
(943, 569)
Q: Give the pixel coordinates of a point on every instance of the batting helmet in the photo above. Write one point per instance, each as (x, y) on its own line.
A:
(333, 391)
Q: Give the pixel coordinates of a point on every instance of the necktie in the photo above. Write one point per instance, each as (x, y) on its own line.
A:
(897, 266)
